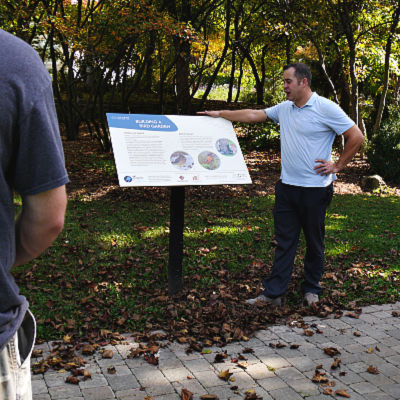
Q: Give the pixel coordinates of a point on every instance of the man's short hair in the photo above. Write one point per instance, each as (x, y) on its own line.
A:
(301, 71)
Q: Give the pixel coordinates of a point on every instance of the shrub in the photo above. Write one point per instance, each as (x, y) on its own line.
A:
(384, 149)
(263, 136)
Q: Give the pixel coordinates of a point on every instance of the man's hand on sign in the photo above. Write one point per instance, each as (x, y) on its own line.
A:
(214, 114)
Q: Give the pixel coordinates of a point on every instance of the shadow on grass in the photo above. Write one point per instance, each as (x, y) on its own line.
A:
(108, 269)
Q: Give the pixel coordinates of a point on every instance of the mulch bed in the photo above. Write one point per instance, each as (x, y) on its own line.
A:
(93, 183)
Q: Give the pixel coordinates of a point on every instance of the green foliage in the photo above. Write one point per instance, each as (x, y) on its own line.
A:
(384, 149)
(263, 136)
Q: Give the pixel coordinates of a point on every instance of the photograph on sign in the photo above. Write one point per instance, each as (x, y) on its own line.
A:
(175, 150)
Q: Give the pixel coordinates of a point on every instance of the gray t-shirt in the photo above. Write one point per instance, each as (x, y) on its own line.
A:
(31, 157)
(307, 134)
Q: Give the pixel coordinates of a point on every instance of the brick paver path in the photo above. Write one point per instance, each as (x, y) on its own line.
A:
(279, 373)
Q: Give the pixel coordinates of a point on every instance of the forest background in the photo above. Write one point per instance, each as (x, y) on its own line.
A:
(172, 56)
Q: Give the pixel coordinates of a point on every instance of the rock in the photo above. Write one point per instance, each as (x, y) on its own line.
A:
(370, 183)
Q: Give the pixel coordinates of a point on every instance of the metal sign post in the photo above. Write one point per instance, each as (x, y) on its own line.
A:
(177, 215)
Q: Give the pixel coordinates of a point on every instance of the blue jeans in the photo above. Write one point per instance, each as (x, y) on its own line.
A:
(298, 208)
(15, 362)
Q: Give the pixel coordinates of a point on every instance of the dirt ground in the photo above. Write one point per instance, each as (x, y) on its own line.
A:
(89, 180)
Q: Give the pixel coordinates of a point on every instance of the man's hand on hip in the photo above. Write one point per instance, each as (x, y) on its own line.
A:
(325, 167)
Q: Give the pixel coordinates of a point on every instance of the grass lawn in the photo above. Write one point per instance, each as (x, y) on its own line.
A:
(108, 269)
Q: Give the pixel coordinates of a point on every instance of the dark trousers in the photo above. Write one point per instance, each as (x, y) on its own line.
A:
(298, 208)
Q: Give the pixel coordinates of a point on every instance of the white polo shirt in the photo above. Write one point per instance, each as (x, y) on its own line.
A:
(307, 134)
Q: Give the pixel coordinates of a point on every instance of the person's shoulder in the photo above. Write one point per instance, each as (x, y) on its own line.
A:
(325, 103)
(323, 100)
(19, 60)
(15, 50)
(11, 42)
(282, 104)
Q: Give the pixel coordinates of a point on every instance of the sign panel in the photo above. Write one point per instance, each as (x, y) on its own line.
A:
(175, 150)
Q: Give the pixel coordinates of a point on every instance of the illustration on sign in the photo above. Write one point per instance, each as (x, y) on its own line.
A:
(174, 150)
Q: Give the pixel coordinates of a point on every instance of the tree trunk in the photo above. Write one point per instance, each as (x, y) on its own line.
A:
(346, 21)
(148, 75)
(223, 55)
(232, 76)
(388, 51)
(354, 84)
(288, 49)
(397, 91)
(183, 99)
(239, 85)
(259, 82)
(323, 67)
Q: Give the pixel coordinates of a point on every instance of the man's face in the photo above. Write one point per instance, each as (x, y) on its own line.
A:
(294, 89)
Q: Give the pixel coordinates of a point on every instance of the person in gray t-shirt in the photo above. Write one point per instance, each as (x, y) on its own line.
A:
(308, 125)
(31, 164)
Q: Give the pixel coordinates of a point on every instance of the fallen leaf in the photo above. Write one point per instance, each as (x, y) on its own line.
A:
(396, 313)
(151, 359)
(88, 350)
(352, 315)
(328, 391)
(220, 357)
(331, 351)
(186, 395)
(67, 338)
(342, 393)
(251, 395)
(336, 363)
(70, 323)
(72, 379)
(338, 314)
(358, 334)
(372, 370)
(320, 377)
(242, 364)
(308, 332)
(225, 375)
(111, 370)
(108, 354)
(209, 397)
(37, 353)
(370, 350)
(248, 350)
(294, 346)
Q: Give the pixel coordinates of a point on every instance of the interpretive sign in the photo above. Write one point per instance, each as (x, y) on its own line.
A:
(175, 150)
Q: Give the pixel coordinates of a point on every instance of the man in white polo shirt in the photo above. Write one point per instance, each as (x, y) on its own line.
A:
(308, 125)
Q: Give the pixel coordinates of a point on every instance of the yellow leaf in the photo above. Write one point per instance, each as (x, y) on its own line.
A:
(225, 375)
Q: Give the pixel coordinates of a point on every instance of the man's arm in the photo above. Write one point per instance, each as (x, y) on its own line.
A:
(248, 115)
(39, 223)
(354, 139)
